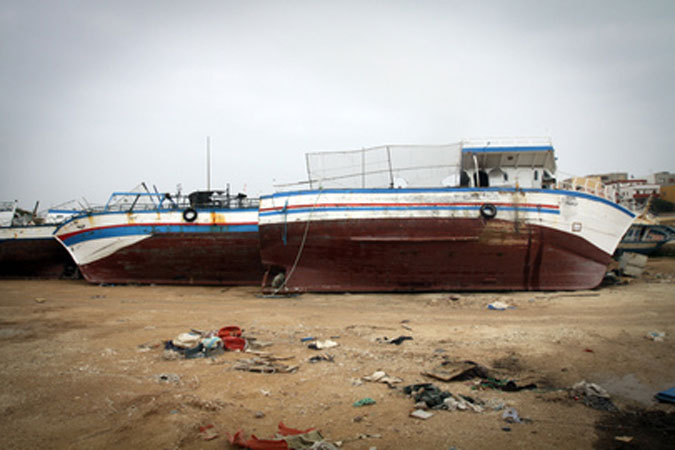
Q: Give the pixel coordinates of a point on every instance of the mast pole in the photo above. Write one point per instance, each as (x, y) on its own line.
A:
(208, 163)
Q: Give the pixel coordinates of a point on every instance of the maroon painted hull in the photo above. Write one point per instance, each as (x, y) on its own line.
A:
(39, 258)
(183, 258)
(428, 255)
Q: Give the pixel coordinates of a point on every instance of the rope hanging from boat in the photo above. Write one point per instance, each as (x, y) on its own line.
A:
(302, 246)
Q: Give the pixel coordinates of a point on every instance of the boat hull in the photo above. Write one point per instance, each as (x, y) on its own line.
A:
(161, 247)
(430, 244)
(32, 251)
(182, 258)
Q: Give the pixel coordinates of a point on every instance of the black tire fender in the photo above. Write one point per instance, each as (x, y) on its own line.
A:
(488, 210)
(190, 215)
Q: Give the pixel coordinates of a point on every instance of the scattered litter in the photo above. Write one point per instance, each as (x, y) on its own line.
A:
(320, 345)
(656, 336)
(456, 371)
(368, 436)
(589, 350)
(506, 428)
(264, 364)
(495, 404)
(421, 414)
(427, 393)
(187, 340)
(593, 396)
(510, 415)
(667, 396)
(461, 403)
(499, 306)
(505, 385)
(208, 432)
(234, 343)
(323, 357)
(147, 346)
(356, 382)
(307, 339)
(428, 396)
(167, 378)
(40, 299)
(623, 438)
(229, 331)
(364, 402)
(398, 341)
(259, 414)
(286, 438)
(382, 377)
(199, 344)
(170, 355)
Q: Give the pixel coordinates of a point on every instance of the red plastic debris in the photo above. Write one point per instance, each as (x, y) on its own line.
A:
(588, 350)
(229, 331)
(233, 343)
(208, 432)
(253, 443)
(286, 431)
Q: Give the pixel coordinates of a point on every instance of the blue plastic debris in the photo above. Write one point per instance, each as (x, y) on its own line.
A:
(667, 396)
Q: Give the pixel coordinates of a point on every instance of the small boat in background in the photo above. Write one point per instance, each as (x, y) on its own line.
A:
(477, 215)
(27, 244)
(646, 238)
(208, 237)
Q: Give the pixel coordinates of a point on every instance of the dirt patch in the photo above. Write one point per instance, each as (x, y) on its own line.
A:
(86, 367)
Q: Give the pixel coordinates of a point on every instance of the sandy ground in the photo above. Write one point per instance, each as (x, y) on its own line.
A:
(82, 365)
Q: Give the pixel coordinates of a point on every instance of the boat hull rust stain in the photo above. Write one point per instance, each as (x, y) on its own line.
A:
(182, 258)
(429, 255)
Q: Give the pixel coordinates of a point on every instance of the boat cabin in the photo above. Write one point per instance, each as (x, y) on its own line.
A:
(511, 163)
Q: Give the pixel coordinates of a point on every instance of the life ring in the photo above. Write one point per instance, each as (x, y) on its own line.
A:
(190, 215)
(488, 210)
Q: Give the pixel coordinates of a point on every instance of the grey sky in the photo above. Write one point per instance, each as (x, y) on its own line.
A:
(98, 96)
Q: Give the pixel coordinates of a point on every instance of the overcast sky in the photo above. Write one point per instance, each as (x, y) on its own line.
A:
(99, 96)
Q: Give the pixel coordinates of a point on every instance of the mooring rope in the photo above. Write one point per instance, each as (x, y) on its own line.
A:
(300, 249)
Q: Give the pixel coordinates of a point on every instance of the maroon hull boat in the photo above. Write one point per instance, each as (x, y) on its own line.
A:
(431, 254)
(34, 257)
(475, 216)
(183, 258)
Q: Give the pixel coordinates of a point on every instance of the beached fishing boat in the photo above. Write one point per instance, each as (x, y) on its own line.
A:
(646, 238)
(208, 237)
(477, 215)
(29, 249)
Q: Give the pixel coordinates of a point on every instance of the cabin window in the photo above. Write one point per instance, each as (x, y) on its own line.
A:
(536, 174)
(506, 176)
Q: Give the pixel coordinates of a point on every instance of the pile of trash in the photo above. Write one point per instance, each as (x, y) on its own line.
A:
(200, 344)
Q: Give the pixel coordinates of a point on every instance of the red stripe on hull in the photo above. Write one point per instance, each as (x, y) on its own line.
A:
(184, 258)
(41, 258)
(429, 255)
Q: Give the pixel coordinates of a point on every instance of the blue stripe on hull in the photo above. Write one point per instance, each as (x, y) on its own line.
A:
(404, 208)
(450, 190)
(139, 230)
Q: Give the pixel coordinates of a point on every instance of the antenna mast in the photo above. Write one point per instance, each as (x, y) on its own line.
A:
(208, 163)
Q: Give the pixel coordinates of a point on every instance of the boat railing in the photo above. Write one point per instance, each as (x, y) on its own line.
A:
(153, 201)
(588, 185)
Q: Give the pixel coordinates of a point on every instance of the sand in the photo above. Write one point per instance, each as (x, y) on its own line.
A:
(83, 366)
